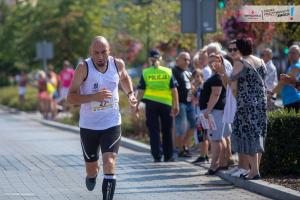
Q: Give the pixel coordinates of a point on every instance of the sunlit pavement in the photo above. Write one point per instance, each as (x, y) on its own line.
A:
(39, 162)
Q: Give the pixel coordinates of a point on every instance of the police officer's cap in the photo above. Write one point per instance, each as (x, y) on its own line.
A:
(154, 53)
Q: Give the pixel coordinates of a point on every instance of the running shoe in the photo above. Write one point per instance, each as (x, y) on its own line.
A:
(240, 172)
(199, 160)
(185, 154)
(90, 183)
(207, 159)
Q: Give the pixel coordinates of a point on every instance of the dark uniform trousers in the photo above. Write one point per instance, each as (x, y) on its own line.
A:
(158, 118)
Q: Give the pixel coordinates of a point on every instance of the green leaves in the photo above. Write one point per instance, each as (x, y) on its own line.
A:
(282, 154)
(71, 24)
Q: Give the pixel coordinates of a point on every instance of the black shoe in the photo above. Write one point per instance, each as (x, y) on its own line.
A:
(244, 176)
(90, 183)
(223, 168)
(185, 154)
(157, 159)
(211, 172)
(199, 159)
(256, 177)
(207, 158)
(169, 159)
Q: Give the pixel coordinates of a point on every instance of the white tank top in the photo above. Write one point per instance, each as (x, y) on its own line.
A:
(100, 115)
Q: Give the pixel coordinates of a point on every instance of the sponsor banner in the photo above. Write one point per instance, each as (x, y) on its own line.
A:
(270, 13)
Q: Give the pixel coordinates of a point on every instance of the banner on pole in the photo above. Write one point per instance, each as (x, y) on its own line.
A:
(270, 13)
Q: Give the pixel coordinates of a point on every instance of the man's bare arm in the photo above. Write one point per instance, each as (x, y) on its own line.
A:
(175, 101)
(126, 82)
(125, 79)
(293, 74)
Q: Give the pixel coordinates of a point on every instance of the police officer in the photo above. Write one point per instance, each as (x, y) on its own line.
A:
(158, 90)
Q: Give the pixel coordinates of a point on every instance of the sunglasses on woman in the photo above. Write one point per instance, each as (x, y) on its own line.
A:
(232, 49)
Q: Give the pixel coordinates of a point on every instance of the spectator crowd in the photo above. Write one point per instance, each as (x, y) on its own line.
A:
(222, 101)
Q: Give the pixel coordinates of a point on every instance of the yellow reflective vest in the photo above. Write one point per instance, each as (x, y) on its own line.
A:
(157, 81)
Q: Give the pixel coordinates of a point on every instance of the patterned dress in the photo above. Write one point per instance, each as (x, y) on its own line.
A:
(250, 121)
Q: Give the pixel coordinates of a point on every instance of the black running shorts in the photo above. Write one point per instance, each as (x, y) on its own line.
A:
(92, 140)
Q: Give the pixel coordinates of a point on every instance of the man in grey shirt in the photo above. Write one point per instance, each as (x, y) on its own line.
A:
(271, 78)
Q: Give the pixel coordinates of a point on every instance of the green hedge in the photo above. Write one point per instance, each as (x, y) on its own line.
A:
(282, 149)
(4, 80)
(9, 97)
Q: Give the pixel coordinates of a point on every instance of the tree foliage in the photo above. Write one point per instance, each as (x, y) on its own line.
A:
(155, 23)
(71, 24)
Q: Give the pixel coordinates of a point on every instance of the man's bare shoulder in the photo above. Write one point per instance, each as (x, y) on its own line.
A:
(120, 63)
(81, 70)
(81, 66)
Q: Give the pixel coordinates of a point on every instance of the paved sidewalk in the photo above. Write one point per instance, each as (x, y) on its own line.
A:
(40, 162)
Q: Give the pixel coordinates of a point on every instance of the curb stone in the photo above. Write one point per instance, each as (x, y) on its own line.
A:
(262, 187)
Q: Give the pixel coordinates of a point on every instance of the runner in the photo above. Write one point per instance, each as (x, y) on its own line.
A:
(95, 87)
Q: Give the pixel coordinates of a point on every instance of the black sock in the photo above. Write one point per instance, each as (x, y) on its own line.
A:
(108, 186)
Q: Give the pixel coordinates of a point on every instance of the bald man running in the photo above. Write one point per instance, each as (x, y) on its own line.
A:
(95, 88)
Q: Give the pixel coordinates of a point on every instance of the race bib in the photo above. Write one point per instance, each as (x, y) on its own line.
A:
(103, 105)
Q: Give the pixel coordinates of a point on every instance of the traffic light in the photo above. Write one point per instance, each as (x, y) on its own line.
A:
(221, 4)
(285, 50)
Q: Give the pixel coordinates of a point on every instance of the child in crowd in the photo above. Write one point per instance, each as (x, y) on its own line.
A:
(200, 133)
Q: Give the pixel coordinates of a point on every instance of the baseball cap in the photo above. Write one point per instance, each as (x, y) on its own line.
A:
(154, 53)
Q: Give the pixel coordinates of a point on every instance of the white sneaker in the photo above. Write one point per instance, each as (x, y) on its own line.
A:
(239, 172)
(232, 170)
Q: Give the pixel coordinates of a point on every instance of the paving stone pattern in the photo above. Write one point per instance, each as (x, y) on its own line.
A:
(43, 163)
